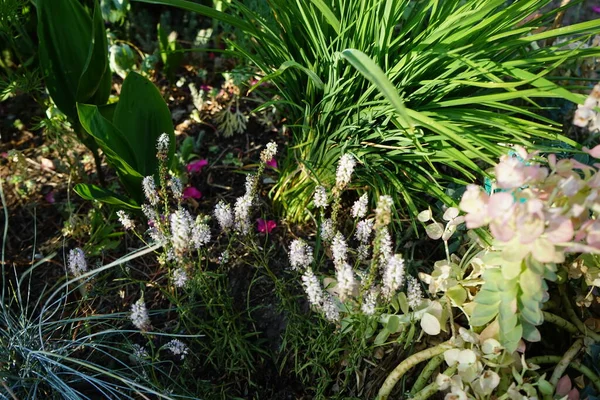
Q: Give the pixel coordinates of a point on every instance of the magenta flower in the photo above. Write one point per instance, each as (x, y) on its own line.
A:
(191, 192)
(196, 166)
(596, 9)
(50, 197)
(265, 226)
(272, 163)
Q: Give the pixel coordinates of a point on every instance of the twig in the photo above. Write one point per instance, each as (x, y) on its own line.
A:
(407, 364)
(561, 367)
(558, 21)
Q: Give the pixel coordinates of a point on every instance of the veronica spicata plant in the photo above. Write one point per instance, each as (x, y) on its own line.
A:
(416, 90)
(369, 276)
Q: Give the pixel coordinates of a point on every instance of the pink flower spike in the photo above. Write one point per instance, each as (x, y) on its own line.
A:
(272, 163)
(196, 166)
(596, 9)
(265, 226)
(191, 192)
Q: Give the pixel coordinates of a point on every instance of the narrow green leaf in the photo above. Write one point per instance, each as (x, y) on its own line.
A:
(370, 70)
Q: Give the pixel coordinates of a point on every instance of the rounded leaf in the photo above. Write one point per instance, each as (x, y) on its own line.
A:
(430, 324)
(424, 215)
(435, 230)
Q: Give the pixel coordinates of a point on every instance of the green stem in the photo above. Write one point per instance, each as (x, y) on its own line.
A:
(426, 373)
(432, 388)
(573, 317)
(560, 322)
(576, 365)
(407, 364)
(561, 367)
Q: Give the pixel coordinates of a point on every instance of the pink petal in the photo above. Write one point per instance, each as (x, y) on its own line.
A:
(265, 226)
(196, 166)
(272, 163)
(573, 394)
(563, 387)
(595, 152)
(50, 197)
(191, 192)
(560, 230)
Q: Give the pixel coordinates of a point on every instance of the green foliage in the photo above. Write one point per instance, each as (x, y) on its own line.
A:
(458, 68)
(127, 134)
(73, 54)
(170, 51)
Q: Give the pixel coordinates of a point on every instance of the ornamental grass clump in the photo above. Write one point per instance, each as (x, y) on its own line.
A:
(415, 90)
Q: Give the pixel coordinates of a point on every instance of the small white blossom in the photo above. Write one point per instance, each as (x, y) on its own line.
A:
(345, 280)
(369, 302)
(150, 213)
(138, 353)
(242, 210)
(339, 248)
(313, 288)
(176, 188)
(332, 313)
(162, 144)
(250, 185)
(385, 245)
(177, 348)
(150, 190)
(363, 230)
(200, 234)
(393, 276)
(223, 215)
(125, 220)
(224, 257)
(181, 226)
(360, 207)
(76, 263)
(327, 230)
(320, 198)
(156, 235)
(344, 170)
(413, 293)
(139, 315)
(301, 254)
(267, 154)
(363, 252)
(179, 277)
(383, 212)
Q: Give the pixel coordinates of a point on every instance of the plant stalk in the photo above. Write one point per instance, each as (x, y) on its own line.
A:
(576, 365)
(407, 364)
(560, 322)
(561, 367)
(573, 317)
(426, 373)
(433, 387)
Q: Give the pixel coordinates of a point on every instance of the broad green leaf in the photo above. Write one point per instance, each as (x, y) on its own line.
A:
(93, 192)
(403, 301)
(381, 337)
(393, 324)
(65, 35)
(142, 115)
(103, 130)
(328, 14)
(457, 294)
(96, 66)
